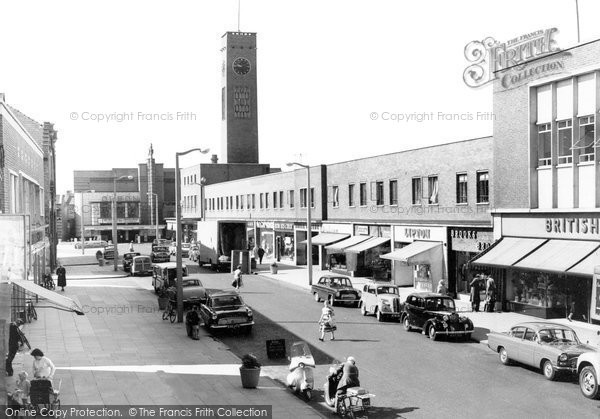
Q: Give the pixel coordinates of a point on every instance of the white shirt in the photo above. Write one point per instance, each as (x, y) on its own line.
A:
(43, 368)
(237, 273)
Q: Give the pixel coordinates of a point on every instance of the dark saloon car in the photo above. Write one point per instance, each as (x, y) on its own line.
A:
(435, 315)
(127, 259)
(226, 310)
(160, 254)
(336, 289)
(109, 252)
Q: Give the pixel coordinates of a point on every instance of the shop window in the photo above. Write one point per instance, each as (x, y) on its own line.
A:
(544, 144)
(291, 198)
(461, 188)
(393, 192)
(351, 195)
(335, 196)
(585, 143)
(432, 183)
(363, 194)
(280, 199)
(565, 141)
(303, 198)
(417, 191)
(483, 187)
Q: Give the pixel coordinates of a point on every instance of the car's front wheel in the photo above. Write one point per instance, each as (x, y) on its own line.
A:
(406, 324)
(331, 300)
(548, 370)
(588, 382)
(363, 309)
(432, 333)
(317, 298)
(503, 355)
(379, 315)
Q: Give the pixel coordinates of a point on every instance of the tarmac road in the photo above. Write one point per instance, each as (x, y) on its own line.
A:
(410, 375)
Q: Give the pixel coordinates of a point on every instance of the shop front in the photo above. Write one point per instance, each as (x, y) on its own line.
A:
(265, 236)
(300, 234)
(284, 241)
(419, 256)
(464, 244)
(547, 263)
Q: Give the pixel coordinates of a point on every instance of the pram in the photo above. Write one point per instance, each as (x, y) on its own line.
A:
(43, 396)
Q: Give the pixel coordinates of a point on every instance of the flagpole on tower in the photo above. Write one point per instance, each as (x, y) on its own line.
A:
(239, 7)
(577, 12)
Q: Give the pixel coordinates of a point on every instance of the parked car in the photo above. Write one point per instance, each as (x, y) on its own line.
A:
(588, 370)
(161, 242)
(194, 292)
(127, 259)
(164, 274)
(194, 253)
(92, 244)
(160, 254)
(109, 252)
(141, 265)
(551, 347)
(434, 314)
(226, 310)
(381, 299)
(336, 289)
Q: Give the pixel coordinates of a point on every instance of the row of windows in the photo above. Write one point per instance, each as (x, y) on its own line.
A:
(584, 145)
(189, 180)
(420, 196)
(190, 202)
(266, 200)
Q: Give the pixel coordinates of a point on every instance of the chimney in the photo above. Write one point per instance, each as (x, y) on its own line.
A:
(214, 159)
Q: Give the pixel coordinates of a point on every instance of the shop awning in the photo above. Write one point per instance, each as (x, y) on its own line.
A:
(367, 244)
(51, 296)
(339, 247)
(558, 255)
(587, 265)
(508, 251)
(413, 254)
(322, 239)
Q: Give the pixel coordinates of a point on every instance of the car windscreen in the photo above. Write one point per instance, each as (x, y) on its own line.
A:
(227, 301)
(557, 335)
(191, 283)
(387, 290)
(440, 304)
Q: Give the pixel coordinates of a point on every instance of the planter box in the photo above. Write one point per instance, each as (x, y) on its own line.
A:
(250, 377)
(274, 269)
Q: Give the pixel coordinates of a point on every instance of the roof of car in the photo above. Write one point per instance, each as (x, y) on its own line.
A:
(142, 256)
(381, 284)
(132, 253)
(426, 294)
(223, 293)
(169, 265)
(334, 276)
(541, 325)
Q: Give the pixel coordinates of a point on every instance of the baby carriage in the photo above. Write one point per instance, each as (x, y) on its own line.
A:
(43, 396)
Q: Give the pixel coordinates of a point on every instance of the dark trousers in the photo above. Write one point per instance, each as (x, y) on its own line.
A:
(260, 259)
(475, 305)
(12, 351)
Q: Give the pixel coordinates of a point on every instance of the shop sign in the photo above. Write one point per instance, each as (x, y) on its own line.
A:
(410, 233)
(469, 240)
(283, 226)
(249, 224)
(313, 226)
(489, 56)
(337, 228)
(119, 220)
(264, 224)
(361, 230)
(572, 227)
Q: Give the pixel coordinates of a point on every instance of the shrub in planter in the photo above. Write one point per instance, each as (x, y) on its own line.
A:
(274, 267)
(250, 371)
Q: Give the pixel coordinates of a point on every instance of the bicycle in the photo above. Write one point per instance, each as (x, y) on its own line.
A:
(30, 312)
(170, 312)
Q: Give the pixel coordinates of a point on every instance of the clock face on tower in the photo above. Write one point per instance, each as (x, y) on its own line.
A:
(241, 66)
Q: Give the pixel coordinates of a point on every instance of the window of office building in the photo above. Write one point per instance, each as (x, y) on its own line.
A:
(267, 200)
(351, 195)
(275, 203)
(585, 144)
(280, 199)
(483, 187)
(393, 192)
(417, 191)
(544, 144)
(432, 183)
(291, 198)
(461, 188)
(237, 202)
(261, 201)
(565, 141)
(363, 194)
(303, 198)
(335, 196)
(312, 197)
(253, 201)
(378, 193)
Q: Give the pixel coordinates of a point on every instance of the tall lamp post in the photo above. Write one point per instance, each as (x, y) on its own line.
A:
(114, 219)
(155, 211)
(82, 230)
(178, 231)
(308, 220)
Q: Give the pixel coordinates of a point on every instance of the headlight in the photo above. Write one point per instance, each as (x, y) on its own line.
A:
(337, 294)
(563, 357)
(445, 318)
(249, 312)
(214, 317)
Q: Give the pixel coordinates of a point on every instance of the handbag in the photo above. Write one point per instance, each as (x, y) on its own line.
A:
(234, 283)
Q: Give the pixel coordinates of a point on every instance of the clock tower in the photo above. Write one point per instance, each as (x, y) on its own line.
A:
(239, 119)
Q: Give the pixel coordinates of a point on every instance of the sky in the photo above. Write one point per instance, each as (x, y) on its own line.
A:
(330, 73)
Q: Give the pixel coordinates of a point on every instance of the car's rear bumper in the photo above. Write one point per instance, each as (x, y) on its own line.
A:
(346, 300)
(231, 326)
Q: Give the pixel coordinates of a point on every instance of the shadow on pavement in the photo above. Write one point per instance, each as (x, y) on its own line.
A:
(479, 334)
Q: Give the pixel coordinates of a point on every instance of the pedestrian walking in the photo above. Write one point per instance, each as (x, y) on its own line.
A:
(237, 278)
(475, 293)
(490, 290)
(192, 322)
(326, 321)
(261, 253)
(441, 288)
(14, 342)
(131, 246)
(61, 274)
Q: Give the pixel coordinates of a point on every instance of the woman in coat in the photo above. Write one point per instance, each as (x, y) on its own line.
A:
(61, 273)
(475, 293)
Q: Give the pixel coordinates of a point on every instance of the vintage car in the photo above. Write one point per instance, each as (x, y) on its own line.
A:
(551, 347)
(381, 299)
(226, 310)
(109, 252)
(434, 314)
(336, 289)
(92, 244)
(194, 292)
(588, 369)
(127, 259)
(160, 254)
(161, 242)
(141, 265)
(164, 274)
(194, 253)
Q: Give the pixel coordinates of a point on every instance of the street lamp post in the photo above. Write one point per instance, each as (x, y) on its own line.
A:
(308, 221)
(155, 212)
(82, 230)
(114, 220)
(178, 231)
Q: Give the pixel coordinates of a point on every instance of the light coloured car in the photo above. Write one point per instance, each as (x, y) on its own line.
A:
(588, 369)
(381, 299)
(551, 347)
(164, 275)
